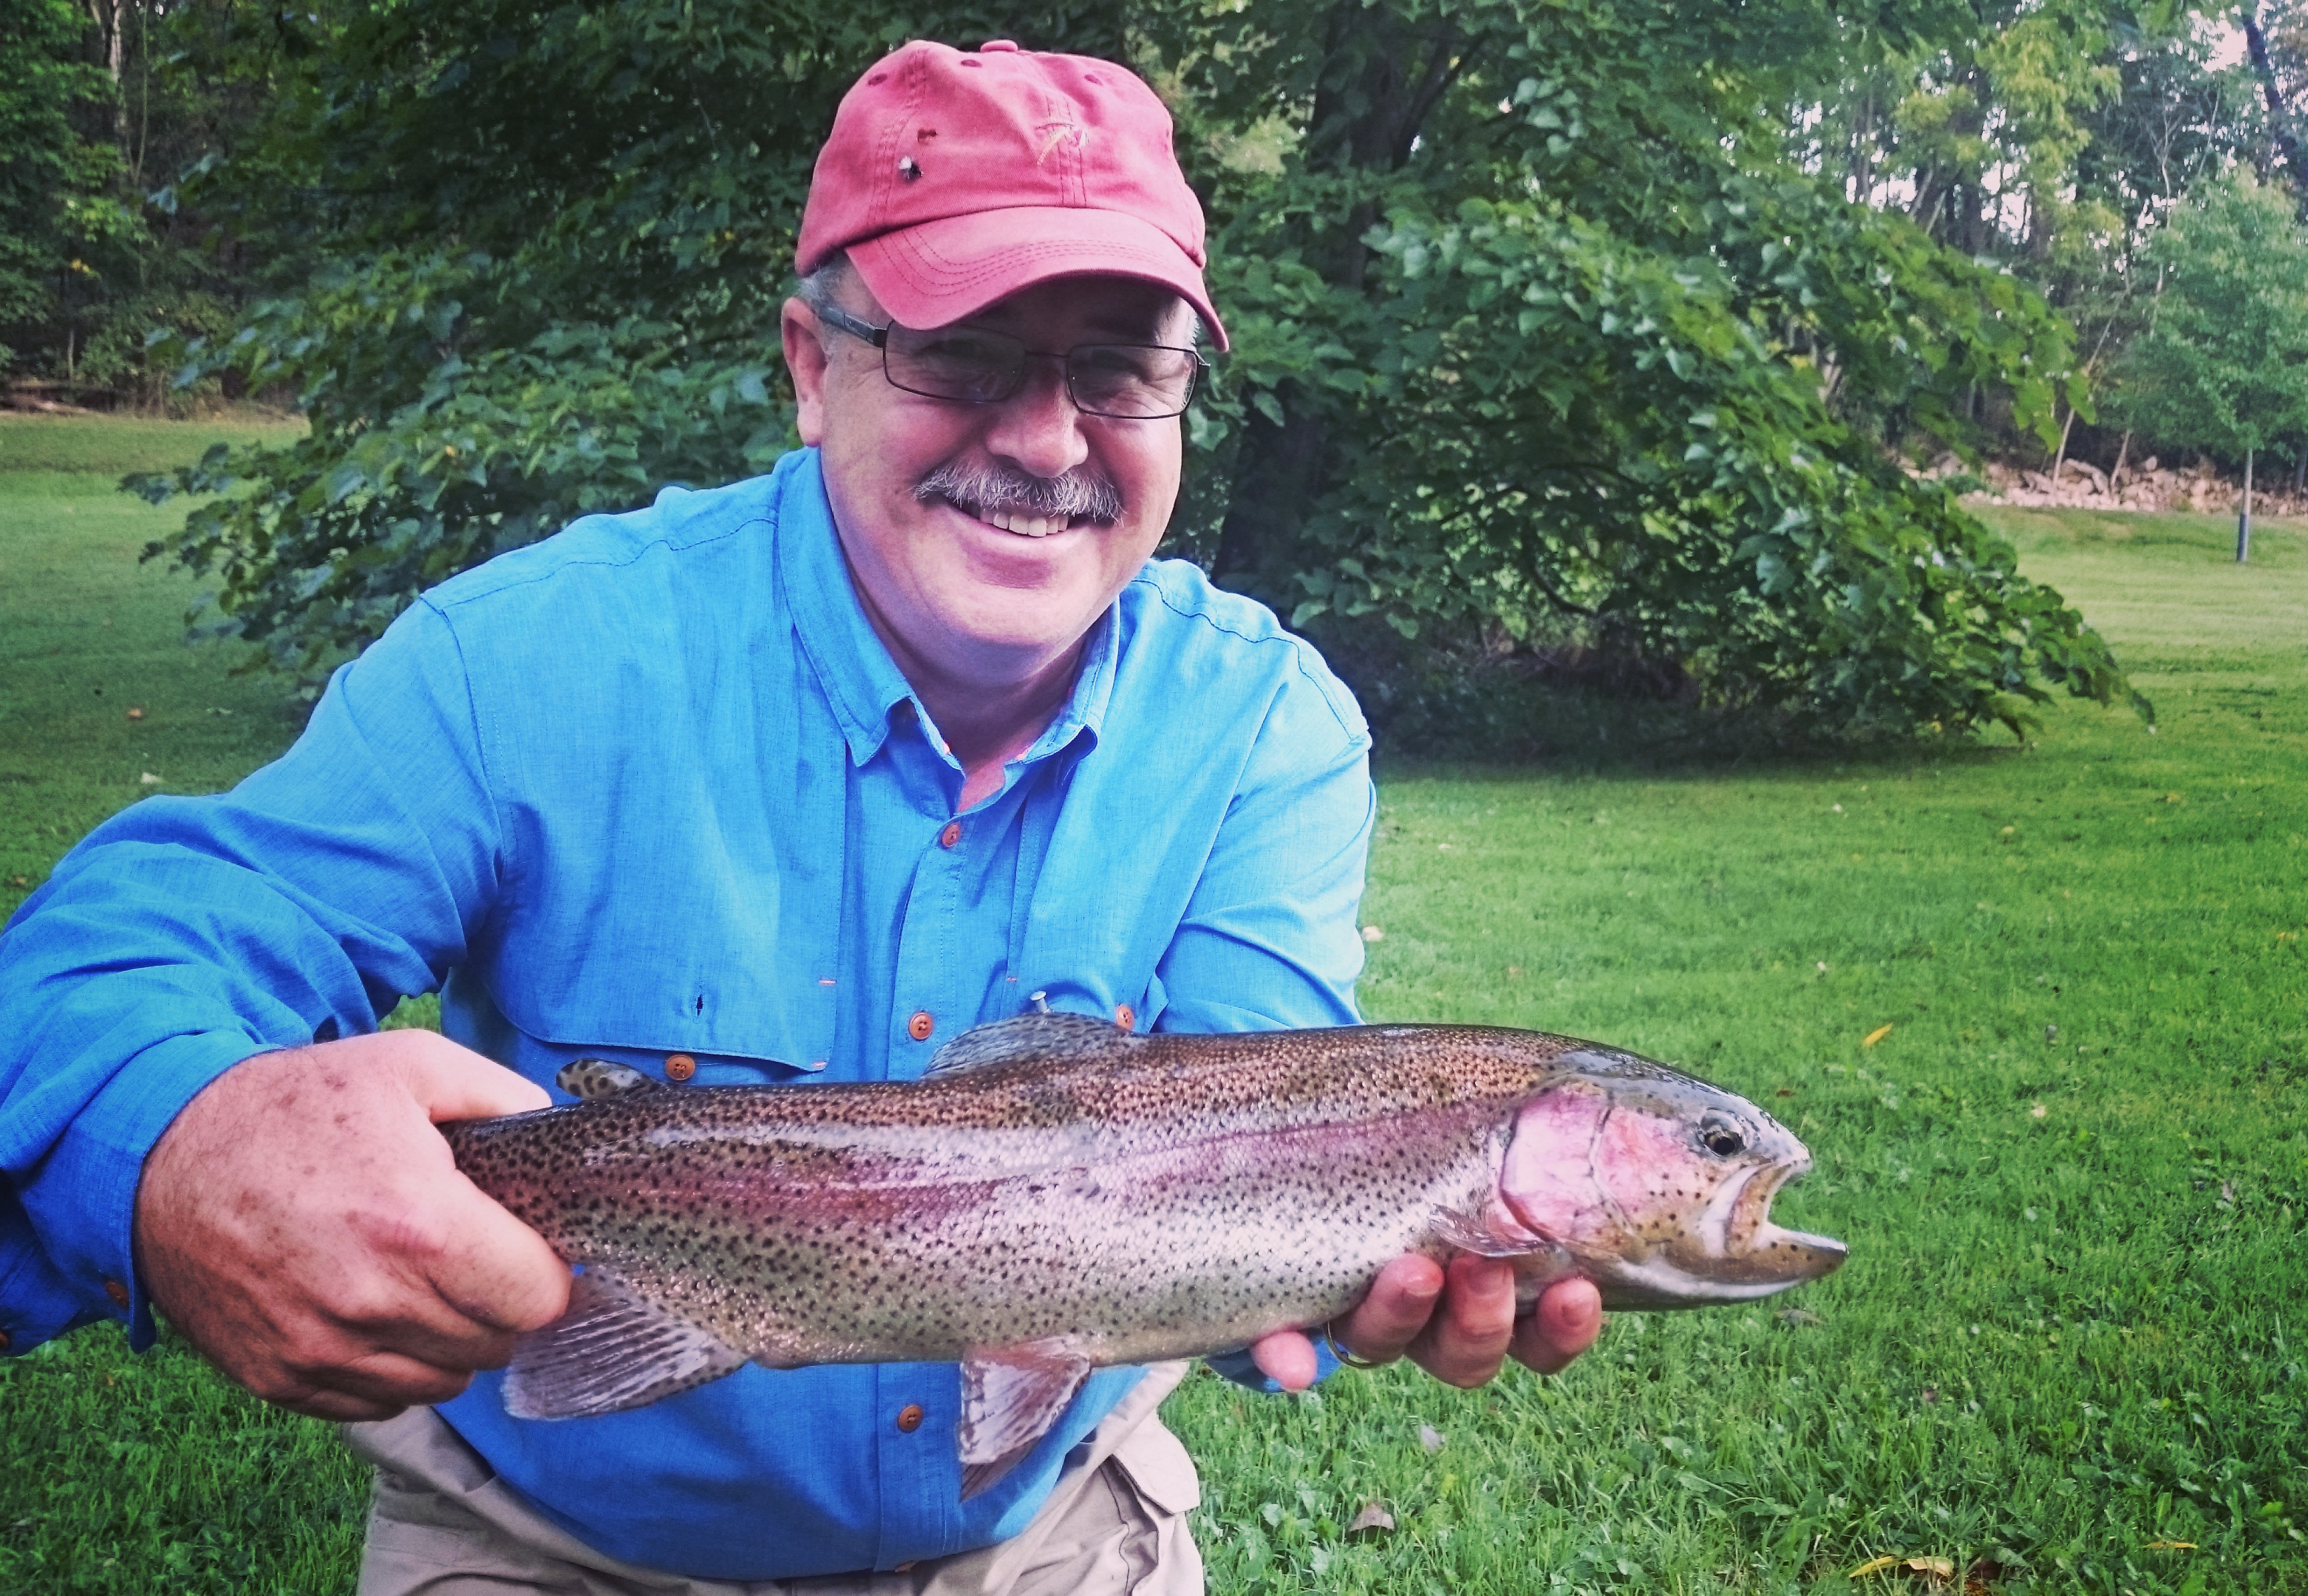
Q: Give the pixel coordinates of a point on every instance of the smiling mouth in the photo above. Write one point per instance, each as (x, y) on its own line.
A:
(1021, 522)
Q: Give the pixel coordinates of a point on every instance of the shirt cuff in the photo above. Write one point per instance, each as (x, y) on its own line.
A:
(89, 1232)
(35, 1302)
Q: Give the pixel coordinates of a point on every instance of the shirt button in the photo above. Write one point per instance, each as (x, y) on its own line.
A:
(1125, 1016)
(909, 1417)
(920, 1026)
(950, 835)
(117, 1292)
(679, 1066)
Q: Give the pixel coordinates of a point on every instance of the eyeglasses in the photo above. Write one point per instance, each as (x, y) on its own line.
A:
(972, 366)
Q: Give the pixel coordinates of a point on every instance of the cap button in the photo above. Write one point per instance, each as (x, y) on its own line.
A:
(998, 47)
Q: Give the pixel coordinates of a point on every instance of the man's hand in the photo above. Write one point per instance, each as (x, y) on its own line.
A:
(1459, 1324)
(302, 1223)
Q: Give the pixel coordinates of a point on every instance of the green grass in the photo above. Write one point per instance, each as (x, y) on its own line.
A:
(2063, 1336)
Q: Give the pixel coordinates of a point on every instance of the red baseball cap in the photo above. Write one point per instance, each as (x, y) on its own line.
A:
(955, 179)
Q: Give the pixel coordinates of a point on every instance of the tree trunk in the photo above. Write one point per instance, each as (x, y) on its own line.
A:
(2244, 516)
(1381, 77)
(2060, 459)
(2295, 161)
(2123, 453)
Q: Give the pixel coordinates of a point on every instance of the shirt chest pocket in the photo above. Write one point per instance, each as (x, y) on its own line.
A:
(734, 1038)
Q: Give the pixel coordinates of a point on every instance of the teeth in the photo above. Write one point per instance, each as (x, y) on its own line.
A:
(1025, 525)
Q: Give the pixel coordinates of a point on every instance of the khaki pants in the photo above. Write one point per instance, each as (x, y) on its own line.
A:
(441, 1523)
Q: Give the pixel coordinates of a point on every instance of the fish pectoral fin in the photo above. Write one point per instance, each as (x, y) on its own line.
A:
(611, 1351)
(1033, 1036)
(591, 1079)
(1480, 1235)
(1010, 1398)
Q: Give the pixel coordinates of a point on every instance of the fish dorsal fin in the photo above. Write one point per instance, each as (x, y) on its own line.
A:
(591, 1079)
(1010, 1398)
(611, 1350)
(1032, 1036)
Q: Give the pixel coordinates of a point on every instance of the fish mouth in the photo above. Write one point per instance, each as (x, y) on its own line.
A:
(1739, 1253)
(1760, 1250)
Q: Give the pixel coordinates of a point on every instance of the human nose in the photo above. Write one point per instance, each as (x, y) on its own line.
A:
(1037, 429)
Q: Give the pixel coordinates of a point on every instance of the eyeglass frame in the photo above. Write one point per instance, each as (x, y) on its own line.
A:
(858, 327)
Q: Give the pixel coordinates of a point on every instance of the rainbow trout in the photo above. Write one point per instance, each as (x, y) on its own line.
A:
(1057, 1195)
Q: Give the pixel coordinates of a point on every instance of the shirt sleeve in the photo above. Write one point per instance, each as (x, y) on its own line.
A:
(1270, 939)
(187, 934)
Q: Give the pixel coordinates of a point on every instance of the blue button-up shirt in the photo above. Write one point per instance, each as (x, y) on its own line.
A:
(654, 786)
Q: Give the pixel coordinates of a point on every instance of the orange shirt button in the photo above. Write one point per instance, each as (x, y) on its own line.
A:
(920, 1026)
(117, 1292)
(909, 1417)
(679, 1066)
(1125, 1016)
(950, 835)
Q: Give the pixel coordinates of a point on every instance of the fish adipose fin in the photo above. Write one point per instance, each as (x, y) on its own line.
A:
(1010, 1398)
(610, 1351)
(1033, 1036)
(592, 1078)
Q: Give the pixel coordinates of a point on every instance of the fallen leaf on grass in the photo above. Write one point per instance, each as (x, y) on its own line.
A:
(148, 780)
(136, 714)
(1979, 1579)
(1372, 933)
(1430, 1438)
(1374, 1517)
(2171, 1546)
(1873, 1566)
(1932, 1568)
(1874, 1036)
(1799, 1316)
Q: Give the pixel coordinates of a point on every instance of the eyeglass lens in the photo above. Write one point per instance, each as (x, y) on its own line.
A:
(1134, 381)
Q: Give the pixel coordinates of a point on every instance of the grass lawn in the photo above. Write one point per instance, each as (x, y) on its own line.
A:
(2067, 1353)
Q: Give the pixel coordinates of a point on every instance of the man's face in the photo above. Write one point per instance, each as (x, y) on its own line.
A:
(926, 493)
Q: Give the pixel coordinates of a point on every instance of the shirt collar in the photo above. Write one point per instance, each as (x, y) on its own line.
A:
(861, 683)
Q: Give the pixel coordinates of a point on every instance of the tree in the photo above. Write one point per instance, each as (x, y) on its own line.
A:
(2225, 368)
(1540, 331)
(48, 170)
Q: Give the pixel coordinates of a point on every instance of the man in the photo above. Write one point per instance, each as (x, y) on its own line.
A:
(799, 777)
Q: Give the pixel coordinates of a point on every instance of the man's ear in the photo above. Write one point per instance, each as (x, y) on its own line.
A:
(807, 360)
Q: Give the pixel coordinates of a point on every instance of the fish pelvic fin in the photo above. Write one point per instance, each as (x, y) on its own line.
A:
(1032, 1036)
(1010, 1398)
(591, 1079)
(611, 1351)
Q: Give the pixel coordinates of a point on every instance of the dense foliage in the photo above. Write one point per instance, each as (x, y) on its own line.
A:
(2224, 366)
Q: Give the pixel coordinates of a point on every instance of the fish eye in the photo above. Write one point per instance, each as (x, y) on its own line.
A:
(1721, 1137)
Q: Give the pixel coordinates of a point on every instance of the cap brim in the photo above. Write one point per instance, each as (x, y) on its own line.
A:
(940, 271)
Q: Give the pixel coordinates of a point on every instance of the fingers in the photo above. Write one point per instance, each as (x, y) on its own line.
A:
(451, 1083)
(1563, 1323)
(1465, 1341)
(1381, 1328)
(497, 1272)
(1286, 1358)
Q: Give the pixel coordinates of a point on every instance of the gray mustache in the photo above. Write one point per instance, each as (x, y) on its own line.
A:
(1077, 495)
